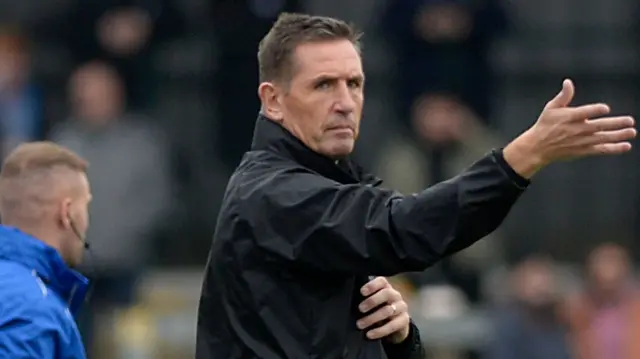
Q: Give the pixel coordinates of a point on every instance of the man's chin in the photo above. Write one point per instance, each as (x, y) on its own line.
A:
(338, 150)
(76, 261)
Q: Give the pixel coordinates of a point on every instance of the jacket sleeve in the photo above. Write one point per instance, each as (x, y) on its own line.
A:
(31, 333)
(313, 222)
(410, 348)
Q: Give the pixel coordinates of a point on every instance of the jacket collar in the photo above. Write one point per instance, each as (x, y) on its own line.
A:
(19, 247)
(271, 136)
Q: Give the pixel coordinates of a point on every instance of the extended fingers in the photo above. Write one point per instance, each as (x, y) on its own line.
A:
(609, 130)
(609, 148)
(588, 111)
(610, 123)
(614, 136)
(573, 132)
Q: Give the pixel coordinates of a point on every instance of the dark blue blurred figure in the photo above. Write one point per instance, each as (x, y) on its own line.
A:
(442, 48)
(123, 33)
(530, 326)
(238, 26)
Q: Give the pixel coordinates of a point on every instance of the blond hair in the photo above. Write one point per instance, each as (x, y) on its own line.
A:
(33, 176)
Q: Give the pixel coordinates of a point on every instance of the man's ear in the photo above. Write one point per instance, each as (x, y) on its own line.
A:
(271, 101)
(65, 213)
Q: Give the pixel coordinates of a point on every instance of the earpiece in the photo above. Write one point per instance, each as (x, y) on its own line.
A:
(77, 233)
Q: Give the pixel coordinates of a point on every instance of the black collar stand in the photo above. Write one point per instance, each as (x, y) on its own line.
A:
(271, 136)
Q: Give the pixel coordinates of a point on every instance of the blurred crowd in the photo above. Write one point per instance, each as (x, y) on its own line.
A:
(545, 319)
(160, 97)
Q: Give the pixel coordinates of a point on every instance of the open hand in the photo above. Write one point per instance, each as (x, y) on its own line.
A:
(562, 132)
(390, 319)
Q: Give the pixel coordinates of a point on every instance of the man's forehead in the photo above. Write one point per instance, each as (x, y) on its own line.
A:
(337, 57)
(84, 183)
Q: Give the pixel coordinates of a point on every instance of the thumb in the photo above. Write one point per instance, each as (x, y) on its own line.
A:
(564, 97)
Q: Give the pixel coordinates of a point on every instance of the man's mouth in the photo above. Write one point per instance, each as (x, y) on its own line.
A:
(341, 128)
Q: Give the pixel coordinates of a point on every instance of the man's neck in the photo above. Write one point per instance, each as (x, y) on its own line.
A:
(42, 234)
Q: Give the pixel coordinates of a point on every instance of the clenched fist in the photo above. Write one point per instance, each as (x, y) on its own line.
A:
(563, 132)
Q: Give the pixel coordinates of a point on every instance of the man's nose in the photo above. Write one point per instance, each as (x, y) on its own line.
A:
(345, 103)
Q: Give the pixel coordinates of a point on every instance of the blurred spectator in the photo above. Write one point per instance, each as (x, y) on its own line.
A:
(124, 33)
(442, 48)
(20, 101)
(529, 326)
(130, 181)
(605, 319)
(441, 122)
(444, 78)
(405, 168)
(443, 88)
(238, 27)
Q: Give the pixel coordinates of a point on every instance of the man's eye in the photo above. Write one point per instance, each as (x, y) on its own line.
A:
(354, 84)
(323, 85)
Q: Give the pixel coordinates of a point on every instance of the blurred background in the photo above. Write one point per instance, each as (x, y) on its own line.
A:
(160, 97)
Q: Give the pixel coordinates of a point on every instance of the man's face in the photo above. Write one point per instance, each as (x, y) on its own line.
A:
(322, 103)
(609, 267)
(96, 94)
(534, 282)
(77, 215)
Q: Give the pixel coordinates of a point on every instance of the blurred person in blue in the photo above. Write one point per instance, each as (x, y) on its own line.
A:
(131, 183)
(44, 199)
(20, 98)
(530, 325)
(442, 49)
(302, 226)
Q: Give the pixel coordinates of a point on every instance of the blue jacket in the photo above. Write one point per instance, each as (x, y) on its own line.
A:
(38, 296)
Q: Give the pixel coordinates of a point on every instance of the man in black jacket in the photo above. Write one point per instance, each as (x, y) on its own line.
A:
(302, 227)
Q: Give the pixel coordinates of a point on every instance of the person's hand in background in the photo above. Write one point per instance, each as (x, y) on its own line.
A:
(386, 312)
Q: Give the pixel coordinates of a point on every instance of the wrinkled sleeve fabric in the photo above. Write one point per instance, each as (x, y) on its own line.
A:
(313, 222)
(31, 333)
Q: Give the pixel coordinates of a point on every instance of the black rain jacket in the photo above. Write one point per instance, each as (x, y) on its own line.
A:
(298, 235)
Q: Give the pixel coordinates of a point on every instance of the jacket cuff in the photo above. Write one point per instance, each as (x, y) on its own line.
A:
(518, 180)
(406, 348)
